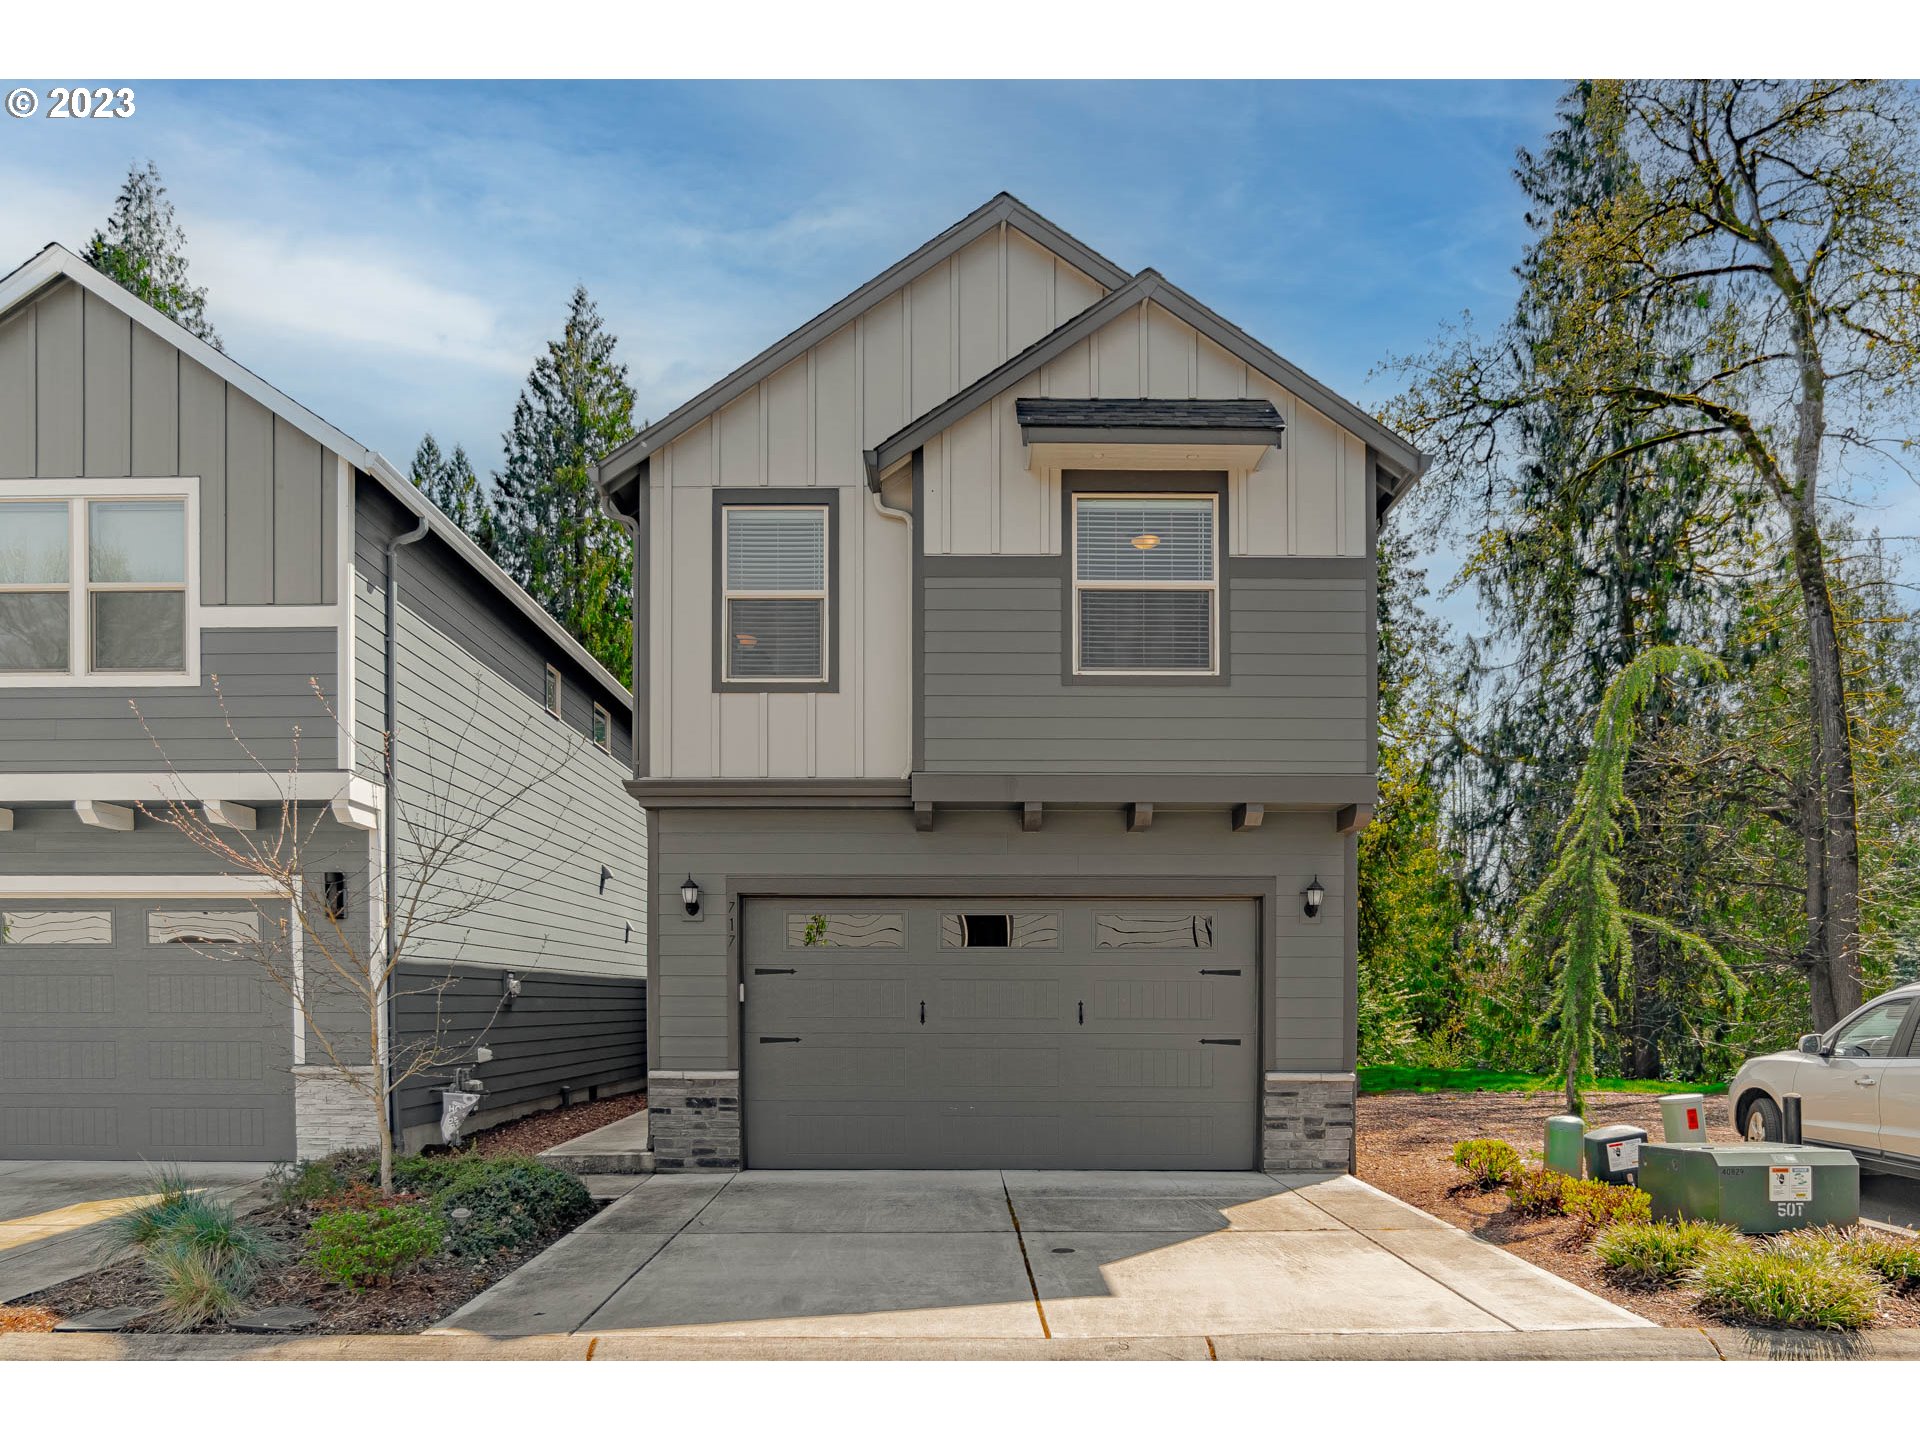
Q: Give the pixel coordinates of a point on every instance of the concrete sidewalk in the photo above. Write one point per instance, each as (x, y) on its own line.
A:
(1022, 1256)
(1651, 1343)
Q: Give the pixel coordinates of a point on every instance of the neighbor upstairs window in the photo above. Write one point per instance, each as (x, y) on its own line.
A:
(774, 600)
(1146, 585)
(95, 590)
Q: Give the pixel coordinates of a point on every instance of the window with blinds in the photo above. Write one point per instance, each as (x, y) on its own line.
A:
(775, 596)
(1146, 586)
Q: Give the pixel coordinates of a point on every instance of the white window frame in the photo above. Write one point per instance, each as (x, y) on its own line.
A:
(1210, 586)
(602, 735)
(80, 589)
(553, 686)
(824, 595)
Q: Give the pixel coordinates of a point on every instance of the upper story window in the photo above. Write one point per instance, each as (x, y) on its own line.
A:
(1146, 584)
(603, 728)
(96, 587)
(553, 691)
(774, 593)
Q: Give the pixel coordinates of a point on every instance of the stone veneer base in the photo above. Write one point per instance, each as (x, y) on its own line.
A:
(330, 1112)
(1307, 1121)
(693, 1120)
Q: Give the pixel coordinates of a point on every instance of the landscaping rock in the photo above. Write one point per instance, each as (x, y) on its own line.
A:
(114, 1317)
(276, 1320)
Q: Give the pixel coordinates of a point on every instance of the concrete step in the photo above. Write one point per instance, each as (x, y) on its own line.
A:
(617, 1149)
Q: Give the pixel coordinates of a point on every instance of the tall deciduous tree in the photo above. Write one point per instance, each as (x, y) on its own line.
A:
(551, 534)
(1755, 295)
(144, 249)
(449, 481)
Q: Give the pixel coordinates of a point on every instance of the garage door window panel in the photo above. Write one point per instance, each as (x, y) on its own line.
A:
(1146, 585)
(1119, 930)
(56, 927)
(845, 930)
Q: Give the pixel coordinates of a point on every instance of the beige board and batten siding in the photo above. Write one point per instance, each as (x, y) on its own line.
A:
(1306, 984)
(808, 425)
(85, 391)
(1306, 497)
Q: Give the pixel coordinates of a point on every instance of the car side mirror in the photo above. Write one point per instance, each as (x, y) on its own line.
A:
(1813, 1045)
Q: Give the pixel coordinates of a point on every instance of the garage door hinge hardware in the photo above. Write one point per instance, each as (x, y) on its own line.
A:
(795, 1040)
(1219, 972)
(1219, 1042)
(759, 970)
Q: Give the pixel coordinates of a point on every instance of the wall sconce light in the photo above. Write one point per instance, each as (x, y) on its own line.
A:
(509, 988)
(1315, 895)
(605, 875)
(334, 883)
(690, 896)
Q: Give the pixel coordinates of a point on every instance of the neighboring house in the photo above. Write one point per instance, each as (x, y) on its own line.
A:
(1007, 648)
(166, 517)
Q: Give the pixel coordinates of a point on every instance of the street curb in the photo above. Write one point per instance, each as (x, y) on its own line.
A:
(1635, 1343)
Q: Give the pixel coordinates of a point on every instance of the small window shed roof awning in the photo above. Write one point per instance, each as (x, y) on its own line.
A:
(1147, 434)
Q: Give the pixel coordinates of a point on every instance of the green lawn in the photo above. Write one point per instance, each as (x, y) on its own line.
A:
(1377, 1078)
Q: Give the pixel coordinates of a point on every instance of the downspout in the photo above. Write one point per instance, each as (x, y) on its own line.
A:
(391, 722)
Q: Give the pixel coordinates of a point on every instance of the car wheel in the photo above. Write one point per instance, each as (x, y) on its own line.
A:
(1762, 1120)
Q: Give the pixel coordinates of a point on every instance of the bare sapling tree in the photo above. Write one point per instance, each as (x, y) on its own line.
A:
(476, 825)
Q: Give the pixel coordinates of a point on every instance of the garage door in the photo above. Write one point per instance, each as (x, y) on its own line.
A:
(119, 1040)
(1024, 1034)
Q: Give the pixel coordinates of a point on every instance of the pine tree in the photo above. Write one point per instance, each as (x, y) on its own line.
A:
(144, 249)
(551, 534)
(450, 483)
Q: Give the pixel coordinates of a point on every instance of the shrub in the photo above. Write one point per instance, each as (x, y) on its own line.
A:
(311, 1182)
(1489, 1164)
(357, 1248)
(140, 1227)
(430, 1174)
(1596, 1204)
(196, 1225)
(196, 1286)
(509, 1201)
(1787, 1287)
(1894, 1260)
(1539, 1191)
(1644, 1252)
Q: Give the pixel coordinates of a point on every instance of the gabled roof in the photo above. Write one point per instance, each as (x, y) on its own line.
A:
(1395, 454)
(56, 262)
(625, 459)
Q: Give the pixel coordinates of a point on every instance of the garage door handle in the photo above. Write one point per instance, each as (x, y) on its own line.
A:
(779, 1039)
(758, 971)
(1219, 972)
(923, 1012)
(1219, 1042)
(1083, 1012)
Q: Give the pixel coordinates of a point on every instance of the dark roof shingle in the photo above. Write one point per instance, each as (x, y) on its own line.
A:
(1148, 414)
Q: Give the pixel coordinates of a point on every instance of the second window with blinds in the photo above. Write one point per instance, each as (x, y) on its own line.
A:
(775, 585)
(1146, 586)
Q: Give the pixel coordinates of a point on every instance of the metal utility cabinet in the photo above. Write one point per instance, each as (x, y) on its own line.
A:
(1759, 1189)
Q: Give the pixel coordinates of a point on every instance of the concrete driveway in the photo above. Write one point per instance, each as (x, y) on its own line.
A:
(50, 1211)
(1014, 1254)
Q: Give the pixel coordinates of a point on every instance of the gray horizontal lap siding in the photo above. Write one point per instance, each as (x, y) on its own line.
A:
(1307, 993)
(266, 691)
(84, 391)
(576, 1031)
(1296, 701)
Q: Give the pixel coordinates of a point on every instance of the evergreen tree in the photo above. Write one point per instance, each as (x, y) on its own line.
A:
(144, 249)
(550, 532)
(450, 483)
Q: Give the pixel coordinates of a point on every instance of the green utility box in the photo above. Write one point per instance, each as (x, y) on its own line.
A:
(1758, 1189)
(1613, 1153)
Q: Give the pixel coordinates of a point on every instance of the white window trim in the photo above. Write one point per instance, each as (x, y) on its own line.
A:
(603, 722)
(80, 589)
(557, 684)
(1210, 586)
(824, 595)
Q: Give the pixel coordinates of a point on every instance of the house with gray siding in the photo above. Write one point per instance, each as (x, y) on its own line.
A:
(199, 578)
(1006, 717)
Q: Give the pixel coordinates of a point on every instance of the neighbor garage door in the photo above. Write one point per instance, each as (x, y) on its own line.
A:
(1017, 1033)
(119, 1040)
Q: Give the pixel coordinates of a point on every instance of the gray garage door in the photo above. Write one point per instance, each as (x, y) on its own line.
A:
(119, 1040)
(1026, 1034)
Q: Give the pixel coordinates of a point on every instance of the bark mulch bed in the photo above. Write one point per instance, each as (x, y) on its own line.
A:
(1406, 1144)
(412, 1302)
(543, 1131)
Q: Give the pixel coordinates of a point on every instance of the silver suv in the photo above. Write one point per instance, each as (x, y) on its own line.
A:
(1859, 1085)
